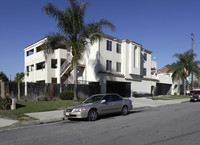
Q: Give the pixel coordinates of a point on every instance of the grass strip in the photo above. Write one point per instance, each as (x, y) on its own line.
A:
(29, 107)
(172, 97)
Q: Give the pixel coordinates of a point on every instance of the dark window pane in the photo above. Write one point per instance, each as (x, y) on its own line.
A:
(116, 98)
(118, 48)
(107, 98)
(109, 45)
(108, 65)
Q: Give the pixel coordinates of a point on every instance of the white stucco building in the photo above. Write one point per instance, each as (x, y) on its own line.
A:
(166, 86)
(119, 66)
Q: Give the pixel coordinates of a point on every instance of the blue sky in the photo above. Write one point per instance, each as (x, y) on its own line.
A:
(162, 26)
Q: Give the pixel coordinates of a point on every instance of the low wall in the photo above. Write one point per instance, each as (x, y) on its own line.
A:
(17, 90)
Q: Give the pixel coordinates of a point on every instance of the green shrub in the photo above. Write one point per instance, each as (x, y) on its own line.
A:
(5, 103)
(42, 98)
(135, 94)
(66, 95)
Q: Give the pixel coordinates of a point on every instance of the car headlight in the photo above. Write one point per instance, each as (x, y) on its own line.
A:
(78, 109)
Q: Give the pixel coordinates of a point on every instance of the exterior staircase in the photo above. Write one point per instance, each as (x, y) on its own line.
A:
(66, 65)
(67, 75)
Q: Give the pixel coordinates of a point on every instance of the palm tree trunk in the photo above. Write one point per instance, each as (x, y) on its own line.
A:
(184, 89)
(75, 83)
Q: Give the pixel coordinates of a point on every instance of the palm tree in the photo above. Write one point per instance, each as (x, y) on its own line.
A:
(74, 31)
(184, 66)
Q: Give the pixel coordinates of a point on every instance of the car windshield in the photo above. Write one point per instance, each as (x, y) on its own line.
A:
(196, 92)
(93, 99)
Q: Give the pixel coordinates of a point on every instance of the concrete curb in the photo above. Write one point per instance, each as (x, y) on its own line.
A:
(36, 122)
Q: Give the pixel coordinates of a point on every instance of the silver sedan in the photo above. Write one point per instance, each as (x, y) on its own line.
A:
(100, 104)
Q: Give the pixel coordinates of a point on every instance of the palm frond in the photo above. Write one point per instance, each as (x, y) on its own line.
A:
(54, 41)
(75, 33)
(51, 11)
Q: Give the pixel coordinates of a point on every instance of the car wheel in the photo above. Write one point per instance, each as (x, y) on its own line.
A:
(92, 115)
(124, 110)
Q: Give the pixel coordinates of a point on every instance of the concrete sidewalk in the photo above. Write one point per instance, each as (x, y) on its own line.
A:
(6, 122)
(53, 116)
(145, 102)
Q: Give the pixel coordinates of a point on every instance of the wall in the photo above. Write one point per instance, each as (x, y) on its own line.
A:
(142, 86)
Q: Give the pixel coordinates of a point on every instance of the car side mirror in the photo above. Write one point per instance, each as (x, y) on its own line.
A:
(103, 101)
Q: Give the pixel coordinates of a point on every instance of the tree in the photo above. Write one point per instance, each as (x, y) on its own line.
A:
(184, 66)
(75, 33)
(196, 83)
(19, 77)
(3, 77)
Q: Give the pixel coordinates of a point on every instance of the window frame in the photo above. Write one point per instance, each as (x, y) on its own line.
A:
(118, 69)
(145, 56)
(118, 48)
(108, 65)
(109, 45)
(144, 71)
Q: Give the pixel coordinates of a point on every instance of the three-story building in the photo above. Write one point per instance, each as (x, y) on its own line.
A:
(119, 66)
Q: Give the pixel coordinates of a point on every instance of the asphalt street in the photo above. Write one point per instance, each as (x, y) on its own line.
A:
(177, 124)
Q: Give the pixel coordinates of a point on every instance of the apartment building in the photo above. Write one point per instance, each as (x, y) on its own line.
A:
(119, 66)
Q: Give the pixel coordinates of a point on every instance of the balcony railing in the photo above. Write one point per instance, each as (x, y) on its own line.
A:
(66, 65)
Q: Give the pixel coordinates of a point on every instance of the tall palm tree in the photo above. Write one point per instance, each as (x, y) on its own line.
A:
(74, 31)
(184, 66)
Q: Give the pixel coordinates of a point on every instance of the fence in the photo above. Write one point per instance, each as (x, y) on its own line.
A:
(17, 90)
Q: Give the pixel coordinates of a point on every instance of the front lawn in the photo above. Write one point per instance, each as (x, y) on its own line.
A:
(29, 107)
(172, 97)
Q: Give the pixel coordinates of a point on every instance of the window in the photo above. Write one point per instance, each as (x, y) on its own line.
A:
(28, 68)
(144, 71)
(118, 48)
(41, 81)
(38, 49)
(116, 98)
(40, 66)
(54, 80)
(54, 63)
(30, 52)
(108, 98)
(108, 65)
(32, 68)
(135, 60)
(145, 56)
(109, 45)
(118, 67)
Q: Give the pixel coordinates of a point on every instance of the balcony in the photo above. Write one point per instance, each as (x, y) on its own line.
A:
(163, 78)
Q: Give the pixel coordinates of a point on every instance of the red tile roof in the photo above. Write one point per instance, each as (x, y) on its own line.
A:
(162, 70)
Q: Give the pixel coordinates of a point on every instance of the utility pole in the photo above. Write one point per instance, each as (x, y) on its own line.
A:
(192, 81)
(10, 77)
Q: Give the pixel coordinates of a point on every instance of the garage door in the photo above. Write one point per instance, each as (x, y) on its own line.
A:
(121, 88)
(162, 89)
